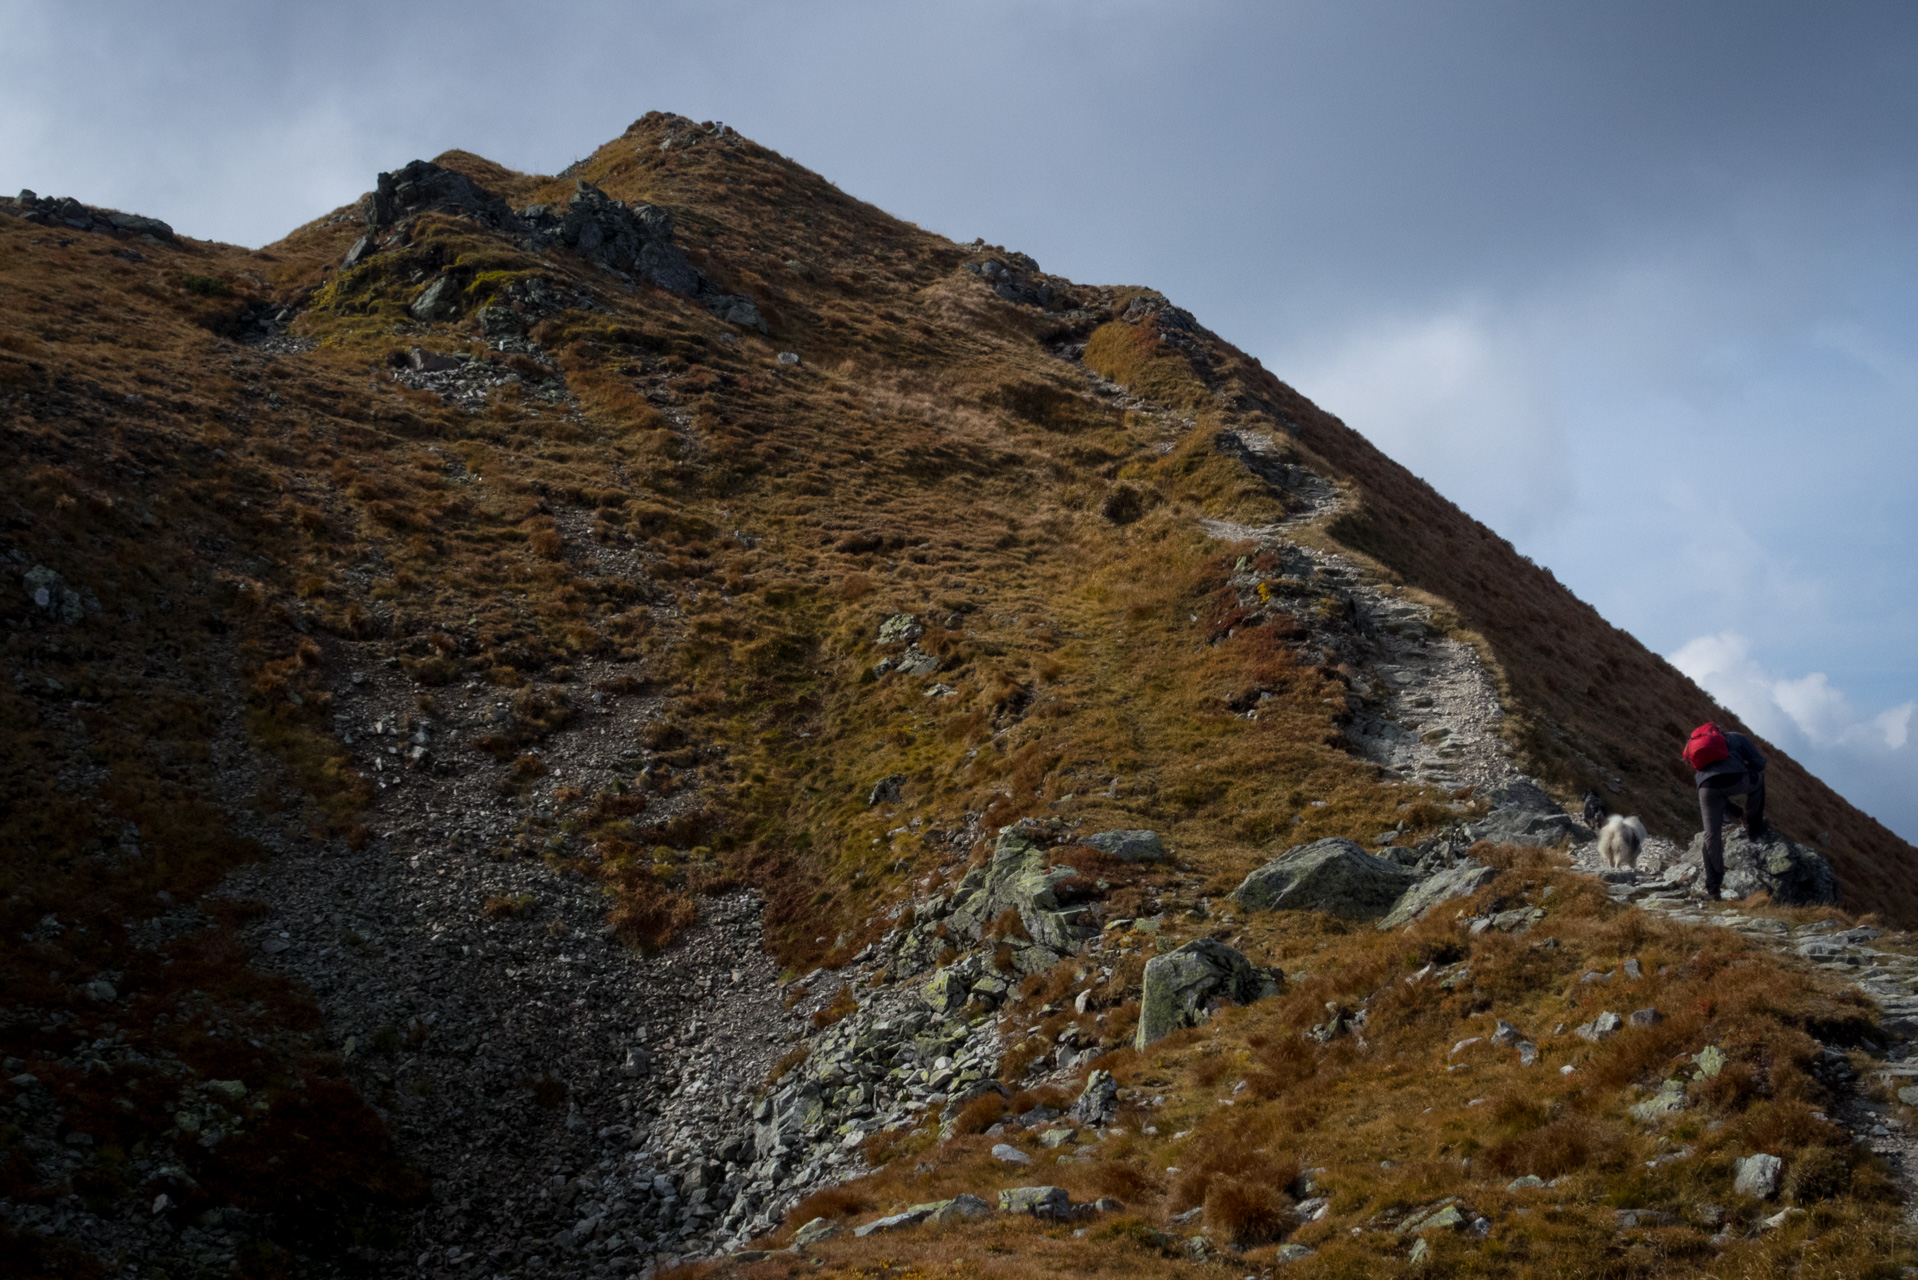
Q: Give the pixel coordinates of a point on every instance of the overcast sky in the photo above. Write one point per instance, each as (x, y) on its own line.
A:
(1634, 283)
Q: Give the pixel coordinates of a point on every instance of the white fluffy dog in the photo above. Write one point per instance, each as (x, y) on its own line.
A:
(1619, 842)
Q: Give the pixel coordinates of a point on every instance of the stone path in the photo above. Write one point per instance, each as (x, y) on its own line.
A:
(1429, 713)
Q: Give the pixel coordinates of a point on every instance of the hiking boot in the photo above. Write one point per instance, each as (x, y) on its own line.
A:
(1758, 834)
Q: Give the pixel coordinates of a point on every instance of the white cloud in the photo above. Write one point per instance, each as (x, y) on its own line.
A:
(1870, 760)
(1453, 395)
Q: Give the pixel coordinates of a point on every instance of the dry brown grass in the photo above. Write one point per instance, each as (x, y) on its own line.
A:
(1384, 1126)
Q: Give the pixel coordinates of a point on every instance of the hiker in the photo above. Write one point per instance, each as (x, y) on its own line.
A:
(1725, 765)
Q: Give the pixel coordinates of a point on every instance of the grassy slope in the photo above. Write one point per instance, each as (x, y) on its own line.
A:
(929, 455)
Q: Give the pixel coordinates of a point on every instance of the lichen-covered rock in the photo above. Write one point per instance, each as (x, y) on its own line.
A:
(1461, 881)
(1040, 1202)
(1181, 987)
(1017, 879)
(1792, 874)
(1129, 846)
(900, 628)
(1332, 875)
(948, 991)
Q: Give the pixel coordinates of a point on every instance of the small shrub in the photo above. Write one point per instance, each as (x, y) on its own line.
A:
(1122, 505)
(506, 907)
(1817, 1173)
(1243, 1212)
(980, 1114)
(832, 1202)
(842, 1005)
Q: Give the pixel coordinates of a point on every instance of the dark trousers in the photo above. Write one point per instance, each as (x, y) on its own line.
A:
(1711, 806)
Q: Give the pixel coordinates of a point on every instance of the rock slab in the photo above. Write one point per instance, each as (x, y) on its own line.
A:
(1333, 875)
(1461, 881)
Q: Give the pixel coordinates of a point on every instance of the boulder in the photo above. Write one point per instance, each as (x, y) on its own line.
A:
(1129, 846)
(1757, 1176)
(1536, 828)
(439, 300)
(735, 308)
(1603, 1027)
(960, 1206)
(1040, 1202)
(1333, 875)
(1182, 986)
(1792, 874)
(816, 1230)
(1456, 882)
(66, 212)
(1669, 1100)
(50, 593)
(1009, 1154)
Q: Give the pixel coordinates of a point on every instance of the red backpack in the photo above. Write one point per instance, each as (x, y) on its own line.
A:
(1707, 746)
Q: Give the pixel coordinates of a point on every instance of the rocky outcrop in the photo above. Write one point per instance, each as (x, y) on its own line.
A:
(424, 187)
(1182, 987)
(66, 213)
(1017, 279)
(636, 242)
(1016, 880)
(633, 241)
(1792, 874)
(1462, 881)
(1333, 875)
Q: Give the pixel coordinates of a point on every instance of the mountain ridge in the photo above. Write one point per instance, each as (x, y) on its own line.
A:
(512, 551)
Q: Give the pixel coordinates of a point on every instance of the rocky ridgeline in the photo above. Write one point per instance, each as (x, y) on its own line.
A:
(64, 213)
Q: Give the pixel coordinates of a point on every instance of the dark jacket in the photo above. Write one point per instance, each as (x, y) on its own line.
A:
(1744, 762)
